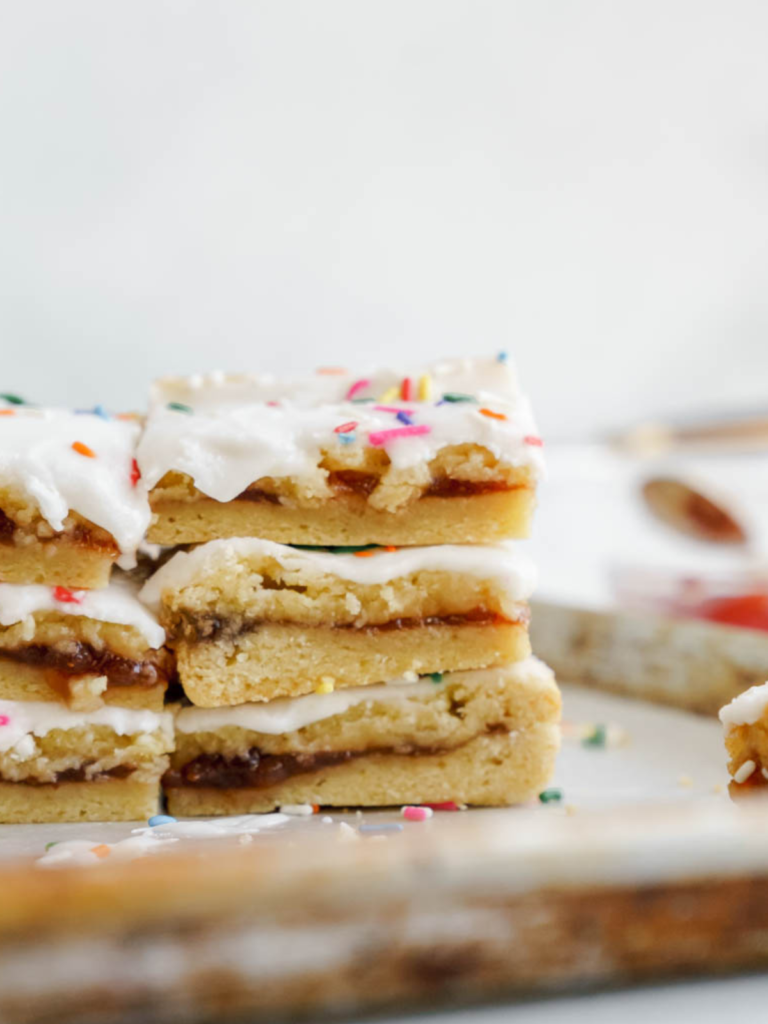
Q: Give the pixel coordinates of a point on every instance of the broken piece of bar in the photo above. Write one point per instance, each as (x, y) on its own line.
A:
(83, 647)
(57, 764)
(484, 737)
(745, 721)
(445, 454)
(71, 499)
(252, 620)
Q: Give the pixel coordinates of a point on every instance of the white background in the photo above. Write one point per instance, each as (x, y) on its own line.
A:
(241, 184)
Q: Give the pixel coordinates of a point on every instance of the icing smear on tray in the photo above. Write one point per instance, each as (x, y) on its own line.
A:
(154, 837)
(227, 432)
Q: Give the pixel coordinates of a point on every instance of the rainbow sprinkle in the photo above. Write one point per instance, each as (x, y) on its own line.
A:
(393, 409)
(403, 417)
(340, 549)
(4, 720)
(135, 474)
(596, 738)
(102, 850)
(179, 407)
(345, 428)
(502, 357)
(161, 819)
(13, 399)
(551, 796)
(406, 389)
(533, 440)
(346, 438)
(83, 449)
(417, 813)
(381, 437)
(359, 385)
(389, 395)
(491, 414)
(446, 805)
(425, 388)
(66, 596)
(456, 396)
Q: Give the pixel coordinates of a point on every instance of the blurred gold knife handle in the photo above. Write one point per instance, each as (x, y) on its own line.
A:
(653, 438)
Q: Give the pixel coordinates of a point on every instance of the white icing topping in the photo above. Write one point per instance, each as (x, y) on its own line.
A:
(143, 841)
(116, 603)
(746, 709)
(19, 719)
(216, 389)
(287, 714)
(505, 563)
(37, 459)
(233, 438)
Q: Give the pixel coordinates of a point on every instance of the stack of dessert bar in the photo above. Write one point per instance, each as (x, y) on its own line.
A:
(348, 613)
(335, 598)
(84, 734)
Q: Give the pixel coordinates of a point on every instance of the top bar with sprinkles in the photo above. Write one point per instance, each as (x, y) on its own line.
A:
(443, 454)
(71, 499)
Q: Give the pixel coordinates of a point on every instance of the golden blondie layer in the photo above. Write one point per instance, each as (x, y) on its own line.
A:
(85, 648)
(447, 454)
(252, 620)
(484, 737)
(71, 499)
(57, 764)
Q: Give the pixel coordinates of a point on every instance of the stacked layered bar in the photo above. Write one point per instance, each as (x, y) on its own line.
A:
(83, 730)
(351, 625)
(447, 456)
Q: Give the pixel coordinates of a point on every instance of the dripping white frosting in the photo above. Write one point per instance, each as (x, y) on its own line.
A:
(37, 459)
(116, 603)
(505, 562)
(19, 719)
(746, 709)
(232, 436)
(287, 714)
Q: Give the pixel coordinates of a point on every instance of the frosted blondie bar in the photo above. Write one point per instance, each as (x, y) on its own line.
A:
(444, 454)
(483, 737)
(71, 499)
(253, 620)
